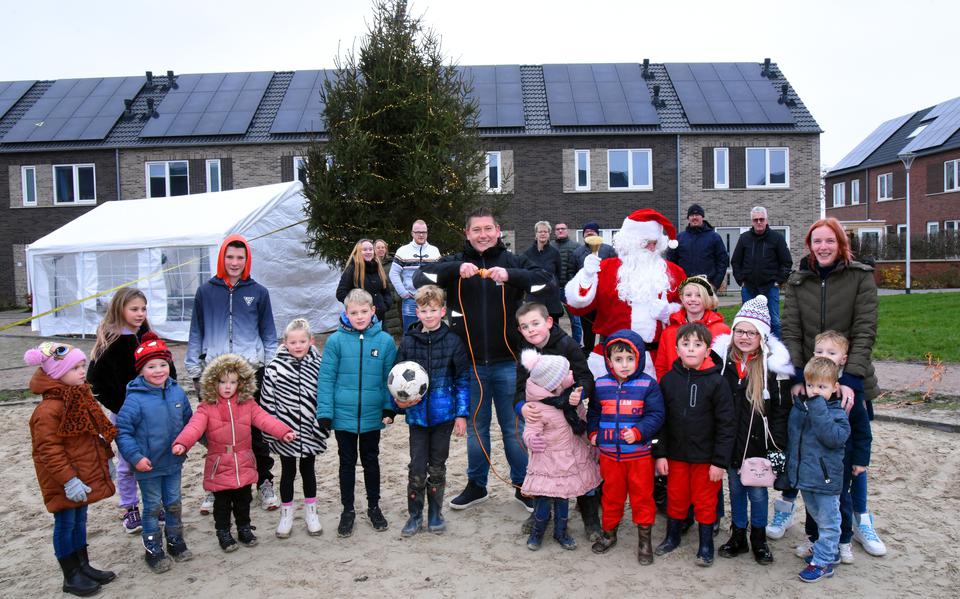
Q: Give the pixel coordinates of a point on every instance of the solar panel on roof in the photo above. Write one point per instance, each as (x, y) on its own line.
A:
(872, 142)
(301, 110)
(498, 93)
(936, 132)
(598, 94)
(75, 110)
(727, 94)
(209, 104)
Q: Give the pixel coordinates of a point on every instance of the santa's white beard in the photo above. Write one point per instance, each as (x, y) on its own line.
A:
(643, 274)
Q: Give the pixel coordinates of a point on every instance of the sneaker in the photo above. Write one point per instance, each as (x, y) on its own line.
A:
(471, 495)
(206, 507)
(268, 499)
(804, 550)
(286, 522)
(865, 534)
(345, 528)
(226, 541)
(246, 537)
(846, 553)
(815, 573)
(376, 519)
(527, 502)
(783, 512)
(131, 521)
(310, 518)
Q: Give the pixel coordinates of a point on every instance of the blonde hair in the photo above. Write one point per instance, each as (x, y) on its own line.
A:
(430, 294)
(111, 327)
(297, 324)
(755, 374)
(222, 365)
(834, 337)
(542, 223)
(360, 267)
(821, 370)
(358, 296)
(710, 302)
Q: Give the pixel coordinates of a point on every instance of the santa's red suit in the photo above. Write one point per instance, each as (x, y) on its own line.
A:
(589, 290)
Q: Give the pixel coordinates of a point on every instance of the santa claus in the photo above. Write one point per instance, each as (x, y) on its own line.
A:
(637, 290)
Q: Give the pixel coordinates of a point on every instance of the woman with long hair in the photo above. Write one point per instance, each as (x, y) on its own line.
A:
(365, 271)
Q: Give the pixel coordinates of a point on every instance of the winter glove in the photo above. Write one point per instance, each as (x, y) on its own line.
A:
(591, 266)
(537, 444)
(661, 310)
(325, 424)
(113, 469)
(76, 491)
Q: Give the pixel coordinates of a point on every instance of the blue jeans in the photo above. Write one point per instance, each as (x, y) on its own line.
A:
(576, 329)
(772, 293)
(858, 493)
(408, 311)
(825, 510)
(69, 531)
(738, 502)
(161, 492)
(499, 385)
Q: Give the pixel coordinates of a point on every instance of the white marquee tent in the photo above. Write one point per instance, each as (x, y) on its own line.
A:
(172, 244)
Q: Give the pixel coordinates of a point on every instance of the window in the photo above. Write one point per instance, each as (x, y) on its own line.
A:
(951, 175)
(768, 167)
(492, 177)
(213, 175)
(855, 192)
(933, 227)
(885, 187)
(838, 191)
(582, 167)
(721, 168)
(901, 229)
(951, 225)
(629, 169)
(300, 169)
(28, 183)
(181, 283)
(74, 184)
(165, 179)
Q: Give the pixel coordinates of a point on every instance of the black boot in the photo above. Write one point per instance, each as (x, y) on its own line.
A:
(645, 546)
(226, 540)
(156, 559)
(589, 506)
(606, 542)
(736, 544)
(415, 506)
(758, 542)
(245, 536)
(177, 548)
(100, 576)
(705, 551)
(436, 486)
(75, 581)
(672, 540)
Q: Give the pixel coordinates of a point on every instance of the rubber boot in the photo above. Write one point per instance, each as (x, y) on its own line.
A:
(705, 551)
(435, 489)
(100, 576)
(606, 542)
(672, 540)
(415, 505)
(285, 526)
(75, 581)
(535, 540)
(589, 506)
(758, 542)
(645, 547)
(736, 544)
(560, 507)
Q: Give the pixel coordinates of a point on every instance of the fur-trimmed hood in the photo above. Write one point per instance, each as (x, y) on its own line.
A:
(246, 376)
(778, 357)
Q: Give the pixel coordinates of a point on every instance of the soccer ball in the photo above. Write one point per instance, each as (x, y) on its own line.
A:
(407, 380)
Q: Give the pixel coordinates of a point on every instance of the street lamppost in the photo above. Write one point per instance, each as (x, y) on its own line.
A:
(907, 159)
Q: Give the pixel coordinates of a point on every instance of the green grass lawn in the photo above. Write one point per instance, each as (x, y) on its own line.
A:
(911, 326)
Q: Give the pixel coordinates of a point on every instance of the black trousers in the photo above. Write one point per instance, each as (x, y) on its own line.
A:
(369, 452)
(429, 448)
(589, 337)
(260, 449)
(235, 501)
(288, 473)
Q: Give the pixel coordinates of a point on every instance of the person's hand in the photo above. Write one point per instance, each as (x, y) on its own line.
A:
(593, 440)
(196, 387)
(797, 390)
(537, 444)
(498, 274)
(289, 437)
(144, 465)
(178, 449)
(846, 398)
(661, 310)
(387, 420)
(460, 426)
(530, 413)
(75, 490)
(663, 468)
(468, 269)
(408, 403)
(858, 470)
(591, 265)
(576, 396)
(628, 435)
(715, 474)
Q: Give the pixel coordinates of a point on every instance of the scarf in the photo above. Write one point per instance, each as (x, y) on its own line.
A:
(82, 414)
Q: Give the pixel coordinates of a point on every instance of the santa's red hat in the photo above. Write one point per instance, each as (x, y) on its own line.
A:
(650, 225)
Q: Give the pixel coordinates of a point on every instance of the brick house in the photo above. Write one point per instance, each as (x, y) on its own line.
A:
(564, 142)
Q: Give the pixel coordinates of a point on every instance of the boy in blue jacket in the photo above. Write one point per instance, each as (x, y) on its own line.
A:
(442, 411)
(353, 401)
(153, 414)
(817, 432)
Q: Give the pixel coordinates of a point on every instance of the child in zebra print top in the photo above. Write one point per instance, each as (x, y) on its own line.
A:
(290, 394)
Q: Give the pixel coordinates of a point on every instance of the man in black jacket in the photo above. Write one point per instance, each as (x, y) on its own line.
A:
(485, 285)
(761, 263)
(566, 247)
(700, 250)
(547, 257)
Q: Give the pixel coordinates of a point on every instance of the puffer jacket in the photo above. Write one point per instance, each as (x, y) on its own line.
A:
(566, 248)
(352, 387)
(58, 458)
(289, 394)
(667, 348)
(372, 284)
(149, 421)
(616, 406)
(700, 251)
(444, 356)
(110, 373)
(761, 260)
(818, 434)
(699, 425)
(845, 301)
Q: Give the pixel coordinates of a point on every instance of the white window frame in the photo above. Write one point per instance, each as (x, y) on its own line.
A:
(901, 229)
(576, 169)
(486, 172)
(885, 188)
(767, 184)
(933, 227)
(951, 165)
(297, 161)
(76, 184)
(854, 192)
(951, 225)
(725, 152)
(166, 177)
(23, 184)
(839, 193)
(630, 174)
(210, 163)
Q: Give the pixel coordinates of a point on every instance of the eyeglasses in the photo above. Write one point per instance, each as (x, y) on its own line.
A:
(419, 232)
(746, 334)
(759, 220)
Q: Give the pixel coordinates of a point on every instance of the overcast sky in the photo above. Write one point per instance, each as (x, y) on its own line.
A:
(854, 63)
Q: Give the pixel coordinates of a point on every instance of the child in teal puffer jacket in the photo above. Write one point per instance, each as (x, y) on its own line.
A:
(353, 401)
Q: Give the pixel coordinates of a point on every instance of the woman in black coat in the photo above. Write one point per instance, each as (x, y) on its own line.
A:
(365, 272)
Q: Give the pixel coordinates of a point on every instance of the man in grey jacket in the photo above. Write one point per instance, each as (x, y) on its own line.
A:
(406, 262)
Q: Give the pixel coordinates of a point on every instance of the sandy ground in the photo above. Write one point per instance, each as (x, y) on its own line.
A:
(915, 493)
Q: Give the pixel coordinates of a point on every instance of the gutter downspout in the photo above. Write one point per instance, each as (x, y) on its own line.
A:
(117, 166)
(678, 180)
(866, 197)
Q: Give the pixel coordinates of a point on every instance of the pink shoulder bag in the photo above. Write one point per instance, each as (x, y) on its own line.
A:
(757, 472)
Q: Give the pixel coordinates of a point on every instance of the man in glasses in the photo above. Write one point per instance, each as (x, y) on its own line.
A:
(565, 246)
(406, 262)
(761, 263)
